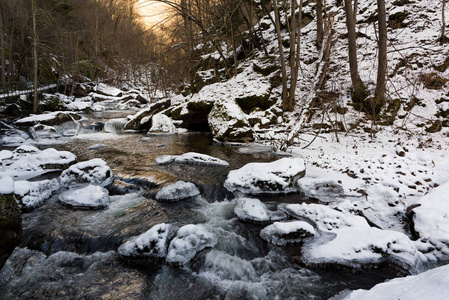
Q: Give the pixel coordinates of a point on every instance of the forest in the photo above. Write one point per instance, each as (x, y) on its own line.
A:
(230, 149)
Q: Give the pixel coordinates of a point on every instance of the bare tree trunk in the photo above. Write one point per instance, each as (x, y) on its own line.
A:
(285, 105)
(319, 23)
(379, 96)
(357, 84)
(35, 98)
(294, 59)
(354, 11)
(2, 49)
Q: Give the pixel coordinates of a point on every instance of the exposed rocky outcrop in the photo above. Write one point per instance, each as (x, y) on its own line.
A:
(142, 120)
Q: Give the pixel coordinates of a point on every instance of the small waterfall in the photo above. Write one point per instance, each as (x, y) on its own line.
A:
(115, 125)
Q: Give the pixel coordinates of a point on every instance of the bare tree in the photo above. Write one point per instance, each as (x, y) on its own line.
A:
(379, 96)
(35, 78)
(319, 23)
(357, 84)
(443, 37)
(285, 102)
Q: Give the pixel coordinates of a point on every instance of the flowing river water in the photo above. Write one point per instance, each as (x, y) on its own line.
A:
(72, 254)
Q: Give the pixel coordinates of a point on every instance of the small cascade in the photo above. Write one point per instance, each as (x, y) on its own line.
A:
(115, 125)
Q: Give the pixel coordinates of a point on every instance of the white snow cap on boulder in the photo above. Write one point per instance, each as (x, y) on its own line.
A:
(177, 191)
(279, 176)
(346, 239)
(191, 158)
(94, 171)
(282, 233)
(91, 196)
(162, 124)
(189, 240)
(253, 210)
(152, 244)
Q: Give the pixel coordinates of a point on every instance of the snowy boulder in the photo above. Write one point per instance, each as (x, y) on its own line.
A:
(190, 239)
(10, 219)
(282, 233)
(87, 197)
(143, 119)
(129, 105)
(430, 219)
(431, 284)
(191, 158)
(228, 123)
(194, 112)
(94, 171)
(177, 191)
(149, 247)
(280, 176)
(28, 161)
(162, 124)
(31, 194)
(253, 210)
(108, 90)
(346, 239)
(50, 119)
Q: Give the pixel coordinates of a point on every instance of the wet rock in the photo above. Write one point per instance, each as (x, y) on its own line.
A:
(10, 219)
(31, 274)
(282, 233)
(148, 248)
(87, 197)
(194, 113)
(142, 120)
(228, 123)
(190, 239)
(280, 176)
(50, 119)
(12, 110)
(32, 194)
(94, 171)
(253, 210)
(191, 158)
(162, 124)
(177, 191)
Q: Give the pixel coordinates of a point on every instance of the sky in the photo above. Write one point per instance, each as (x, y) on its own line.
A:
(152, 12)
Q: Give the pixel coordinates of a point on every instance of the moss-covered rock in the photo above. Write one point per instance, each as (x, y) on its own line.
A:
(10, 226)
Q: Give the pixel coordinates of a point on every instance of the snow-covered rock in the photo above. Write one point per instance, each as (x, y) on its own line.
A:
(346, 239)
(94, 171)
(129, 105)
(146, 114)
(108, 90)
(177, 191)
(432, 284)
(228, 123)
(280, 176)
(190, 239)
(162, 124)
(87, 197)
(43, 131)
(28, 161)
(6, 185)
(431, 220)
(191, 158)
(282, 233)
(51, 119)
(253, 210)
(31, 194)
(151, 245)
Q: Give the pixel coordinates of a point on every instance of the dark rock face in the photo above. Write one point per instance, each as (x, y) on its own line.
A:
(135, 122)
(10, 226)
(193, 114)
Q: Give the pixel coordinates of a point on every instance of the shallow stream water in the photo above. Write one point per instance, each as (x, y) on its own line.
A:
(71, 254)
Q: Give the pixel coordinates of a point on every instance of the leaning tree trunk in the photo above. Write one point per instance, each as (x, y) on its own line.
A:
(379, 96)
(357, 84)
